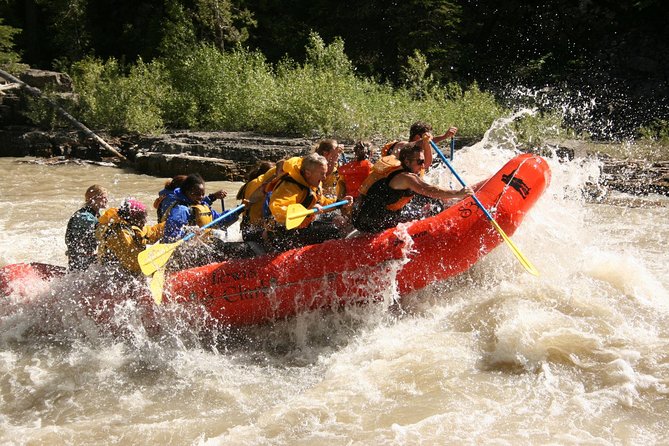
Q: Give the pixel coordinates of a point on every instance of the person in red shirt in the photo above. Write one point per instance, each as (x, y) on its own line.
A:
(352, 174)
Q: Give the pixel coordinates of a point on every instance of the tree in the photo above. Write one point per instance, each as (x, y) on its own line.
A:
(66, 24)
(179, 32)
(223, 23)
(8, 56)
(379, 35)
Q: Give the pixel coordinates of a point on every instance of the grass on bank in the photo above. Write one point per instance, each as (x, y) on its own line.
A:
(239, 90)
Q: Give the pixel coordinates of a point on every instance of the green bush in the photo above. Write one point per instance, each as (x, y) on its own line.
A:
(8, 57)
(222, 91)
(238, 90)
(40, 112)
(658, 130)
(118, 102)
(535, 129)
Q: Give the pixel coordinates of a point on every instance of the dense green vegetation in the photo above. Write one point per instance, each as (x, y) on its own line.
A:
(600, 67)
(239, 90)
(8, 57)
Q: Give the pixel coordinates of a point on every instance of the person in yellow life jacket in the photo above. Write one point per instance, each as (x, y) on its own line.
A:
(253, 193)
(301, 183)
(123, 234)
(353, 173)
(330, 150)
(391, 186)
(419, 133)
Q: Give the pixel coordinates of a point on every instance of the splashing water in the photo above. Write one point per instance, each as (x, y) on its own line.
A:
(494, 355)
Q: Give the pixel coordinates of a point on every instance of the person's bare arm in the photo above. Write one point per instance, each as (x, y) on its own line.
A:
(449, 134)
(427, 149)
(413, 182)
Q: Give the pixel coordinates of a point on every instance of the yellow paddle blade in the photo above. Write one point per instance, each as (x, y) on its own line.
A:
(156, 256)
(156, 285)
(295, 215)
(519, 255)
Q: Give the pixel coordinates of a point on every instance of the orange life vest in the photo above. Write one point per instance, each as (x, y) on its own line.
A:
(381, 170)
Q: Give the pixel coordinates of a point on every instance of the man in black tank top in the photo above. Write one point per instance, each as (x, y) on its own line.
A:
(385, 203)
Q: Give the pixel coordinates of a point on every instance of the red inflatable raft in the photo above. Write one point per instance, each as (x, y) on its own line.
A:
(354, 270)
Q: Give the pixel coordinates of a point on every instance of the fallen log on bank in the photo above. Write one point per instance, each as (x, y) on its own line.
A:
(38, 93)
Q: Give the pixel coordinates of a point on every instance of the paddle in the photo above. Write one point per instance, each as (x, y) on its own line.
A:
(156, 256)
(523, 261)
(156, 285)
(296, 213)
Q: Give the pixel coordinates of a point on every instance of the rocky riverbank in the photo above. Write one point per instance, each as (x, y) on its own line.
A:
(215, 155)
(228, 155)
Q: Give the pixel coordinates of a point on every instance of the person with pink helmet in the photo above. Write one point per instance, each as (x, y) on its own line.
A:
(123, 234)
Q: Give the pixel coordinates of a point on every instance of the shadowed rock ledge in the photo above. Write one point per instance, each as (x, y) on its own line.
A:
(228, 155)
(215, 155)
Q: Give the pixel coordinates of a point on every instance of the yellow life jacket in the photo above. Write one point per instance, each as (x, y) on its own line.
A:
(201, 215)
(387, 149)
(109, 216)
(109, 233)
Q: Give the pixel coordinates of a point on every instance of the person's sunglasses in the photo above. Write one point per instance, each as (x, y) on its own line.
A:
(420, 161)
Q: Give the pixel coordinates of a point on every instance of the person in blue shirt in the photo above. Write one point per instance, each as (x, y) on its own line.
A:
(188, 206)
(190, 210)
(80, 233)
(166, 195)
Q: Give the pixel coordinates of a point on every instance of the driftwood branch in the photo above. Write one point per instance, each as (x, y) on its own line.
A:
(8, 87)
(36, 92)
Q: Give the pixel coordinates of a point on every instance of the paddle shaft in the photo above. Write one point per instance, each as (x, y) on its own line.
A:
(216, 220)
(450, 166)
(519, 255)
(314, 210)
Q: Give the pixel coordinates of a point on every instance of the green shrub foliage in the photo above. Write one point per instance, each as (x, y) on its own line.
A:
(8, 56)
(119, 101)
(239, 90)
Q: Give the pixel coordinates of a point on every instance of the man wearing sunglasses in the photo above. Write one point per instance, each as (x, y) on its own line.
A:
(384, 203)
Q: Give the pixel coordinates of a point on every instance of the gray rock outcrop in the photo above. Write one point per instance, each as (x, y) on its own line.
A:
(229, 155)
(215, 155)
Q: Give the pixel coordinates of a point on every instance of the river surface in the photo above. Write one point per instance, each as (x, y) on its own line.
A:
(495, 356)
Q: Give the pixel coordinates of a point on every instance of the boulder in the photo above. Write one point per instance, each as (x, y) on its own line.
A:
(47, 80)
(215, 155)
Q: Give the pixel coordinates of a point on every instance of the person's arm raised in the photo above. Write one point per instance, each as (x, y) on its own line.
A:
(449, 134)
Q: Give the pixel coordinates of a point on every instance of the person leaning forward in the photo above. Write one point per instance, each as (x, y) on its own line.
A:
(123, 234)
(301, 184)
(190, 207)
(391, 186)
